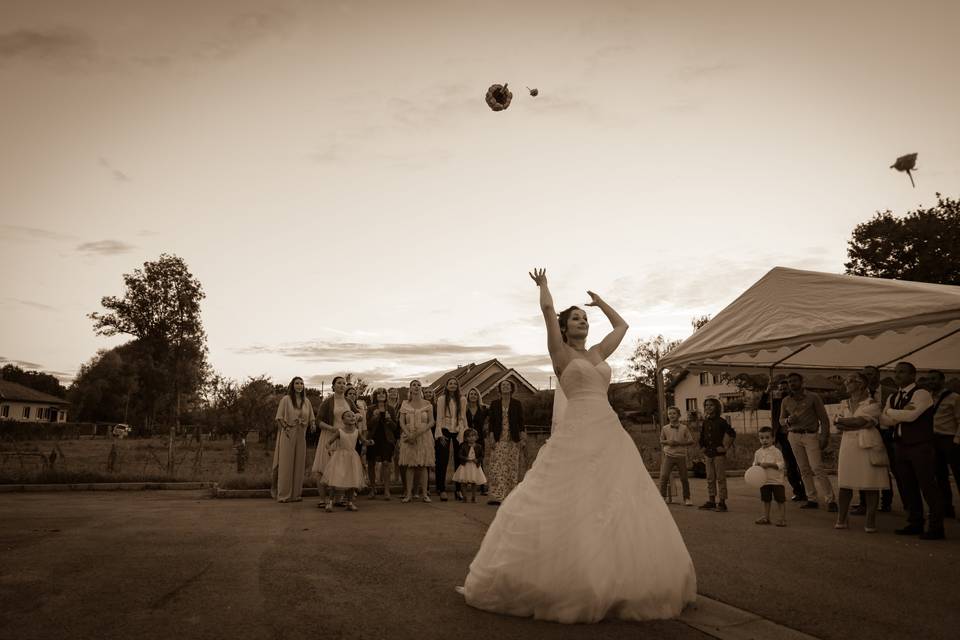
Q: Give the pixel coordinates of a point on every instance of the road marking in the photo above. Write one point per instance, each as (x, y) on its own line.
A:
(723, 621)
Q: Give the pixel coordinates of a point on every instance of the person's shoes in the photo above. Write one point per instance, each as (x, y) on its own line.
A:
(721, 506)
(405, 499)
(810, 504)
(909, 530)
(841, 525)
(781, 523)
(473, 498)
(933, 534)
(459, 590)
(709, 504)
(798, 498)
(443, 496)
(329, 507)
(763, 520)
(832, 507)
(870, 529)
(459, 495)
(352, 507)
(688, 502)
(667, 500)
(426, 498)
(858, 510)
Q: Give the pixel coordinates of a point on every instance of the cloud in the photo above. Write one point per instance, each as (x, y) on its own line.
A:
(322, 351)
(245, 31)
(118, 175)
(59, 45)
(16, 232)
(706, 70)
(105, 247)
(35, 305)
(20, 363)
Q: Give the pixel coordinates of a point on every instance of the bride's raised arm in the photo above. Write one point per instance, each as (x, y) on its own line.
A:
(613, 339)
(554, 338)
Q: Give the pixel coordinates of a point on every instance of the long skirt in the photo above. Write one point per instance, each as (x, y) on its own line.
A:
(504, 469)
(288, 461)
(322, 455)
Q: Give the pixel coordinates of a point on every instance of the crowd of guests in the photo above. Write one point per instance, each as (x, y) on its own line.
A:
(908, 439)
(366, 443)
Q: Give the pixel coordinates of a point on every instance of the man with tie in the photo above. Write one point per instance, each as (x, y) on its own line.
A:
(910, 413)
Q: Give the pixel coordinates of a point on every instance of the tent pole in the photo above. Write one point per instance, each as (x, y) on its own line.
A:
(661, 395)
(921, 348)
(787, 357)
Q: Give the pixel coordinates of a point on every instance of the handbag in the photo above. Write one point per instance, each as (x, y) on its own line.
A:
(871, 440)
(878, 456)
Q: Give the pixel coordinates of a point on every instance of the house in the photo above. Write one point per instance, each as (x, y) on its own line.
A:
(486, 377)
(24, 404)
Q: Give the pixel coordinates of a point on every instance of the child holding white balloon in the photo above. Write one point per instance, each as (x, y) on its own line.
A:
(769, 458)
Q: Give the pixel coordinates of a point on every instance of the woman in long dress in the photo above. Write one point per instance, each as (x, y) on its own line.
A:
(510, 438)
(330, 421)
(854, 469)
(585, 536)
(294, 416)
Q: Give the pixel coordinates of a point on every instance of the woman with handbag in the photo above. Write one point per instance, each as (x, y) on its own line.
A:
(862, 464)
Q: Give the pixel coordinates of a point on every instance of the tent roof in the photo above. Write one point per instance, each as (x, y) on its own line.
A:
(807, 320)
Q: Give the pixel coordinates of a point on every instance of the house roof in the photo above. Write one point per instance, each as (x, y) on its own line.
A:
(15, 392)
(466, 375)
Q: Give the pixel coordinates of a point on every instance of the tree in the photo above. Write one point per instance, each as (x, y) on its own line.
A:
(646, 356)
(36, 380)
(257, 407)
(923, 246)
(110, 387)
(161, 309)
(698, 321)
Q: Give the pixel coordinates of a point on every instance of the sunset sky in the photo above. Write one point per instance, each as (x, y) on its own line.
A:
(330, 172)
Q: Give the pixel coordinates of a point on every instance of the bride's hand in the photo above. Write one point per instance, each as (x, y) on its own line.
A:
(594, 299)
(539, 276)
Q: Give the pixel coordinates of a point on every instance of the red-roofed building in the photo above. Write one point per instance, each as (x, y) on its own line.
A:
(24, 404)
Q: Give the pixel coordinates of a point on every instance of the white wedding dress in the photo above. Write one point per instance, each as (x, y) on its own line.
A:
(586, 535)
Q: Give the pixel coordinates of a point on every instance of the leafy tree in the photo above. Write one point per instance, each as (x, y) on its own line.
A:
(646, 356)
(923, 246)
(698, 321)
(257, 407)
(36, 380)
(110, 387)
(161, 309)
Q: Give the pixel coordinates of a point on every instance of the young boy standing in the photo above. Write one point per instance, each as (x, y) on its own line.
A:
(716, 438)
(769, 458)
(675, 438)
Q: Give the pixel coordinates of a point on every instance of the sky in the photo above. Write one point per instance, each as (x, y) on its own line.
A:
(330, 173)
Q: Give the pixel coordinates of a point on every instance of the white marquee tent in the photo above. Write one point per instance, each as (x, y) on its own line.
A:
(793, 320)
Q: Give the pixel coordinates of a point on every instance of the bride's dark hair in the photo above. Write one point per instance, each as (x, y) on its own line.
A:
(564, 317)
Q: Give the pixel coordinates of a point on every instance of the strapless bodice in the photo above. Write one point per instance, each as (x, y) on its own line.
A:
(583, 379)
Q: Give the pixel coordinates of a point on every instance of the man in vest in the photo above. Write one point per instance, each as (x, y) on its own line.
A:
(946, 435)
(910, 413)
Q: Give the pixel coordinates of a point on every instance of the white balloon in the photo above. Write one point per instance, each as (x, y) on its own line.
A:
(755, 476)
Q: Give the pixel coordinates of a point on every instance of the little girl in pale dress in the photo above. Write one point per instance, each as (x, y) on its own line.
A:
(344, 470)
(470, 473)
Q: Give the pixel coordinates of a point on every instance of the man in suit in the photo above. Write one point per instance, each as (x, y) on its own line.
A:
(910, 413)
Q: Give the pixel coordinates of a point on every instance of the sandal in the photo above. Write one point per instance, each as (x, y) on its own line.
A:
(841, 525)
(781, 523)
(763, 520)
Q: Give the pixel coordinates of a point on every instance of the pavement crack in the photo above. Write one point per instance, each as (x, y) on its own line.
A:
(168, 596)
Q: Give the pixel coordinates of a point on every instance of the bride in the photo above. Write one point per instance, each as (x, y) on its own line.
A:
(586, 535)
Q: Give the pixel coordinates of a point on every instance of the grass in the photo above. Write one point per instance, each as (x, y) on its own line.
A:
(87, 460)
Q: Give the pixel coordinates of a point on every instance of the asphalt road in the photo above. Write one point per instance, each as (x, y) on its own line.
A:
(165, 564)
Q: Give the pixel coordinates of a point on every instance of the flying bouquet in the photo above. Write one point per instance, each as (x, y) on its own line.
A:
(906, 164)
(499, 96)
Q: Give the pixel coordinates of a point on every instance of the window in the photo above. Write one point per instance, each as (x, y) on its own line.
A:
(691, 404)
(26, 413)
(704, 378)
(5, 411)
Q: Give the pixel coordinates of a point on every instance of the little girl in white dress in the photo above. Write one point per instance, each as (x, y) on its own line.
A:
(470, 472)
(344, 470)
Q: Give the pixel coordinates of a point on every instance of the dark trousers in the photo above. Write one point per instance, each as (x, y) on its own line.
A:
(793, 471)
(443, 453)
(916, 470)
(948, 459)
